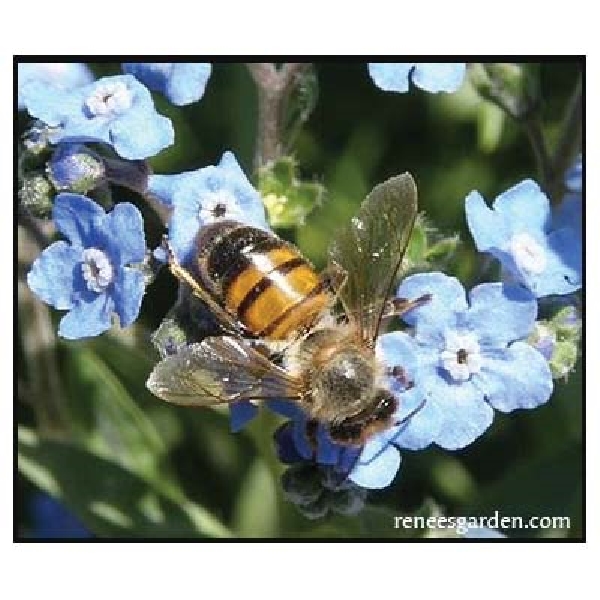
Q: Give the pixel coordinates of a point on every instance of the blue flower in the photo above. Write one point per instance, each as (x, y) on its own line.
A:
(431, 77)
(204, 196)
(115, 110)
(574, 176)
(471, 358)
(181, 83)
(376, 464)
(64, 76)
(483, 533)
(89, 276)
(519, 232)
(52, 520)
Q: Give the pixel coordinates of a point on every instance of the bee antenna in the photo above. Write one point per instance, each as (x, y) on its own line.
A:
(411, 414)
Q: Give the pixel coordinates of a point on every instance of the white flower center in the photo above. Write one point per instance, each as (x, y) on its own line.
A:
(461, 357)
(109, 99)
(529, 256)
(218, 205)
(97, 270)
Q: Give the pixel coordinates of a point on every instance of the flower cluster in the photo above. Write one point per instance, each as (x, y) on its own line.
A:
(463, 355)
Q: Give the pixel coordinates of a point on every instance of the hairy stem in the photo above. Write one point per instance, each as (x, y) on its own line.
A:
(569, 143)
(273, 87)
(44, 392)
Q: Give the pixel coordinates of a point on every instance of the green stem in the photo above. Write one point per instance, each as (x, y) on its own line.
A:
(533, 127)
(273, 87)
(569, 143)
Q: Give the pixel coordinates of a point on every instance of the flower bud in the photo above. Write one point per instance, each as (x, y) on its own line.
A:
(349, 501)
(301, 484)
(36, 195)
(75, 168)
(287, 199)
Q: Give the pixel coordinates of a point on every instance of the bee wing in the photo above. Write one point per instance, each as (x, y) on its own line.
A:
(220, 370)
(370, 249)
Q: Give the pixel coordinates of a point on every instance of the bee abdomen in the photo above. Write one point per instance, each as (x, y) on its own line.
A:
(264, 281)
(278, 293)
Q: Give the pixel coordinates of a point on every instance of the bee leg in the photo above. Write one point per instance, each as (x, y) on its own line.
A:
(411, 414)
(333, 278)
(185, 276)
(400, 375)
(396, 307)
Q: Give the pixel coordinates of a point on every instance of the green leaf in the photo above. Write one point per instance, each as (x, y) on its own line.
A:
(105, 417)
(109, 499)
(256, 513)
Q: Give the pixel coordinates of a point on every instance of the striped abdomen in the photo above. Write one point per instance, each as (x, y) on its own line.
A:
(262, 280)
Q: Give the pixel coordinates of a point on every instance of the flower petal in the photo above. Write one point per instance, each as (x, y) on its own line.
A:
(439, 77)
(188, 82)
(390, 77)
(464, 411)
(64, 76)
(486, 227)
(379, 472)
(422, 429)
(398, 349)
(45, 102)
(564, 269)
(125, 224)
(574, 176)
(517, 377)
(76, 217)
(524, 207)
(284, 444)
(241, 413)
(128, 291)
(87, 319)
(288, 409)
(569, 213)
(514, 310)
(447, 299)
(51, 277)
(141, 133)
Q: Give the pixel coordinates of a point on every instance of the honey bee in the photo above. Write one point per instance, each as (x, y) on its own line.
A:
(263, 290)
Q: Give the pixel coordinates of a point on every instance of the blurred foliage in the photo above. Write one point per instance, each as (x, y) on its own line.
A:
(129, 465)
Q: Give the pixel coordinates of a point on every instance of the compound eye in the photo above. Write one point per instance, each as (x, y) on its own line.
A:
(386, 404)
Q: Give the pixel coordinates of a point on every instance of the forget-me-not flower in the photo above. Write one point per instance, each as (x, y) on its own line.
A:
(181, 83)
(89, 275)
(204, 196)
(431, 77)
(63, 76)
(520, 233)
(118, 111)
(471, 358)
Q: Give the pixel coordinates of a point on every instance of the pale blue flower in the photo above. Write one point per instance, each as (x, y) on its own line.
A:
(519, 231)
(63, 76)
(90, 275)
(204, 196)
(117, 111)
(431, 77)
(471, 358)
(181, 83)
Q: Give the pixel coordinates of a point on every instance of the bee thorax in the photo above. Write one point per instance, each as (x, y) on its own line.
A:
(342, 385)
